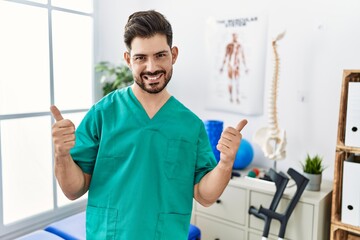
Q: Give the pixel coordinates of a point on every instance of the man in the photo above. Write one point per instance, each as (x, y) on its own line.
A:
(141, 154)
(233, 52)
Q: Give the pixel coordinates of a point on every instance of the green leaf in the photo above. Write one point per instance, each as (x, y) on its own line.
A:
(121, 74)
(313, 165)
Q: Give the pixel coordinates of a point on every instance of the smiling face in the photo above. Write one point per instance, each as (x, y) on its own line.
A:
(151, 60)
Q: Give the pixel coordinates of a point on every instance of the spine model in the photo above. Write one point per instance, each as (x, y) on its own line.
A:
(272, 139)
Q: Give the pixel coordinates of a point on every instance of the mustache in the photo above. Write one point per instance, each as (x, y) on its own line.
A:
(152, 73)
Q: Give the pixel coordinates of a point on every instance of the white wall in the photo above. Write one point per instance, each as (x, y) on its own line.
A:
(322, 38)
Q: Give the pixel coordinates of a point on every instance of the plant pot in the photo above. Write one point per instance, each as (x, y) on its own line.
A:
(314, 181)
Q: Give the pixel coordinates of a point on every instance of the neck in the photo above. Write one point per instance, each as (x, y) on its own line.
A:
(150, 102)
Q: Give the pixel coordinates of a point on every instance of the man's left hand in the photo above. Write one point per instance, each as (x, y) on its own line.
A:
(229, 143)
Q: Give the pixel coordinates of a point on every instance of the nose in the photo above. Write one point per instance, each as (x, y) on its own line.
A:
(151, 65)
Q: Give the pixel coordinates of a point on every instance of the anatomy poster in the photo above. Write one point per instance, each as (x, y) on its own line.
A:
(237, 54)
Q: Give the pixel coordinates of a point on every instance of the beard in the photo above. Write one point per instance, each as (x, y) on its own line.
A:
(153, 88)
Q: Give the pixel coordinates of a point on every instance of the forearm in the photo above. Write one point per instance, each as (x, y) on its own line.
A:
(73, 182)
(213, 184)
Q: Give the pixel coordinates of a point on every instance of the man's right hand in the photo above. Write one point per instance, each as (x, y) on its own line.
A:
(63, 133)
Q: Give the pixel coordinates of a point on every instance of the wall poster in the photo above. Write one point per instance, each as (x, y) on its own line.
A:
(237, 56)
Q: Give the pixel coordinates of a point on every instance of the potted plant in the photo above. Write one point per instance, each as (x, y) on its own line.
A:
(113, 76)
(313, 169)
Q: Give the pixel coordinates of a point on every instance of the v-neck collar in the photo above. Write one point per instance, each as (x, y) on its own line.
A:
(142, 112)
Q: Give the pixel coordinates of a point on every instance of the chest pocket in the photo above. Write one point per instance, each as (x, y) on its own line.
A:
(180, 160)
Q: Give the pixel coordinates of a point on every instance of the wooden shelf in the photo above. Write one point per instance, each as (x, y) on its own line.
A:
(343, 148)
(340, 230)
(344, 231)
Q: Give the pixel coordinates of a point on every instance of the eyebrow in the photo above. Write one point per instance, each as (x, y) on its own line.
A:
(164, 51)
(143, 55)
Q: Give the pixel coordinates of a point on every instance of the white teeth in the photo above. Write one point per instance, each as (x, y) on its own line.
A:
(153, 78)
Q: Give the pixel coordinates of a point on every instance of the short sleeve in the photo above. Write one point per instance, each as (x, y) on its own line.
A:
(87, 142)
(205, 157)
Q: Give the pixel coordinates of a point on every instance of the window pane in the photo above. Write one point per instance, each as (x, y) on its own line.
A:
(26, 167)
(78, 5)
(24, 59)
(62, 200)
(72, 43)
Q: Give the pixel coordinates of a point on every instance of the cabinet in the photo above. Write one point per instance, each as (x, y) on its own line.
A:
(340, 230)
(228, 218)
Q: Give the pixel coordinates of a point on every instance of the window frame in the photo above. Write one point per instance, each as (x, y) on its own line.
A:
(39, 221)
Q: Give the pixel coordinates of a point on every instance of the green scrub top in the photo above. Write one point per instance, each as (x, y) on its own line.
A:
(143, 170)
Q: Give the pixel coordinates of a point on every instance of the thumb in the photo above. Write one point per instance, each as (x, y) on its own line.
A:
(56, 113)
(241, 125)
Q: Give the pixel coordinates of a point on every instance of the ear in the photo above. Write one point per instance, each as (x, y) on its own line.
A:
(127, 59)
(174, 53)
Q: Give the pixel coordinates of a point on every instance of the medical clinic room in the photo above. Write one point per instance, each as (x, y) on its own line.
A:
(179, 120)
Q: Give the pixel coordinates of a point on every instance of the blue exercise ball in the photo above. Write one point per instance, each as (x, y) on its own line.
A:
(244, 155)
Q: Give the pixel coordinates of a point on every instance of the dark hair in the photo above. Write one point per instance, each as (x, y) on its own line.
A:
(146, 24)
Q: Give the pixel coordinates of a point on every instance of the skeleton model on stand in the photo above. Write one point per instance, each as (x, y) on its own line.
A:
(272, 139)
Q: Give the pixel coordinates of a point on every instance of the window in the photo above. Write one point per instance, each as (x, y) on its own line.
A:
(46, 58)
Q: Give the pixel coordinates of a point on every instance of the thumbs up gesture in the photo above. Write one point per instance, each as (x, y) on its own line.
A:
(229, 143)
(63, 133)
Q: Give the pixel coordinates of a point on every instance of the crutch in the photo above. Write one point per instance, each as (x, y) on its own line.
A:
(280, 180)
(268, 214)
